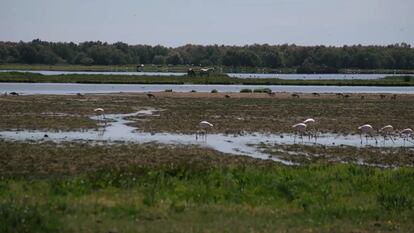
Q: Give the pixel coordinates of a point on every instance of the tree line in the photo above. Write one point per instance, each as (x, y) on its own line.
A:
(304, 58)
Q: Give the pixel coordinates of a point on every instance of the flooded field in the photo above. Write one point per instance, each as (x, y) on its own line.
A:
(115, 128)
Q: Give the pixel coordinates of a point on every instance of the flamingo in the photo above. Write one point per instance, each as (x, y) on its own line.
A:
(99, 113)
(406, 133)
(299, 128)
(387, 131)
(366, 129)
(310, 122)
(204, 127)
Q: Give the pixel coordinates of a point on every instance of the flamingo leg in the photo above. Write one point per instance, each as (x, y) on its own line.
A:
(392, 139)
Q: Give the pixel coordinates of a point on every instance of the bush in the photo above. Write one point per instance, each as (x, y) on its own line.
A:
(168, 90)
(246, 90)
(214, 91)
(193, 91)
(262, 90)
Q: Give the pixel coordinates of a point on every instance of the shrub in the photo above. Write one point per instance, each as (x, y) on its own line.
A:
(246, 90)
(168, 90)
(214, 91)
(262, 90)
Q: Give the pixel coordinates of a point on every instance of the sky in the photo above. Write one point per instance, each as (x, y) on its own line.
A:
(231, 22)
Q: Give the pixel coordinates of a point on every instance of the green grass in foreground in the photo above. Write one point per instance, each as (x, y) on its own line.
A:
(195, 193)
(213, 79)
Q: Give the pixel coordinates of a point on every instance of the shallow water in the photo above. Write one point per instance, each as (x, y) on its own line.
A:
(235, 75)
(73, 88)
(54, 72)
(118, 131)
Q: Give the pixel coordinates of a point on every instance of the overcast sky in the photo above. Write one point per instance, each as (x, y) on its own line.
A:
(230, 22)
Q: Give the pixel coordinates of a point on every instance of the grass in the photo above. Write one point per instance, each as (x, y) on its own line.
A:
(76, 187)
(213, 79)
(242, 112)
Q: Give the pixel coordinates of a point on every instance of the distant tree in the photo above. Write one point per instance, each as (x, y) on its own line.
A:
(28, 54)
(273, 60)
(395, 56)
(158, 60)
(83, 59)
(206, 62)
(174, 58)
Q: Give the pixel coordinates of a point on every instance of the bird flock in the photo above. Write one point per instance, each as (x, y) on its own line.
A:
(387, 132)
(307, 128)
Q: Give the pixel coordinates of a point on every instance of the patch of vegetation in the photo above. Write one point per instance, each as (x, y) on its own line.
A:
(17, 216)
(262, 90)
(213, 79)
(144, 188)
(243, 58)
(246, 90)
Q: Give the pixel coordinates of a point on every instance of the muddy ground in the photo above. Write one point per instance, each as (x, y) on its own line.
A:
(229, 112)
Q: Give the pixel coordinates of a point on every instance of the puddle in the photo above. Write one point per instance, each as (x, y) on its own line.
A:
(117, 130)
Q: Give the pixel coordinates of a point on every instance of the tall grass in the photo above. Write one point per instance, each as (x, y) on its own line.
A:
(319, 197)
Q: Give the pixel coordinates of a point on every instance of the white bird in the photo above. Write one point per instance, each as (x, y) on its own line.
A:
(406, 133)
(99, 113)
(368, 130)
(310, 122)
(387, 131)
(204, 127)
(98, 110)
(300, 129)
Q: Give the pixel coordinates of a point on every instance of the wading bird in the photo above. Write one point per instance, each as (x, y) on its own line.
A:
(310, 122)
(387, 131)
(100, 113)
(299, 129)
(367, 130)
(204, 126)
(406, 134)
